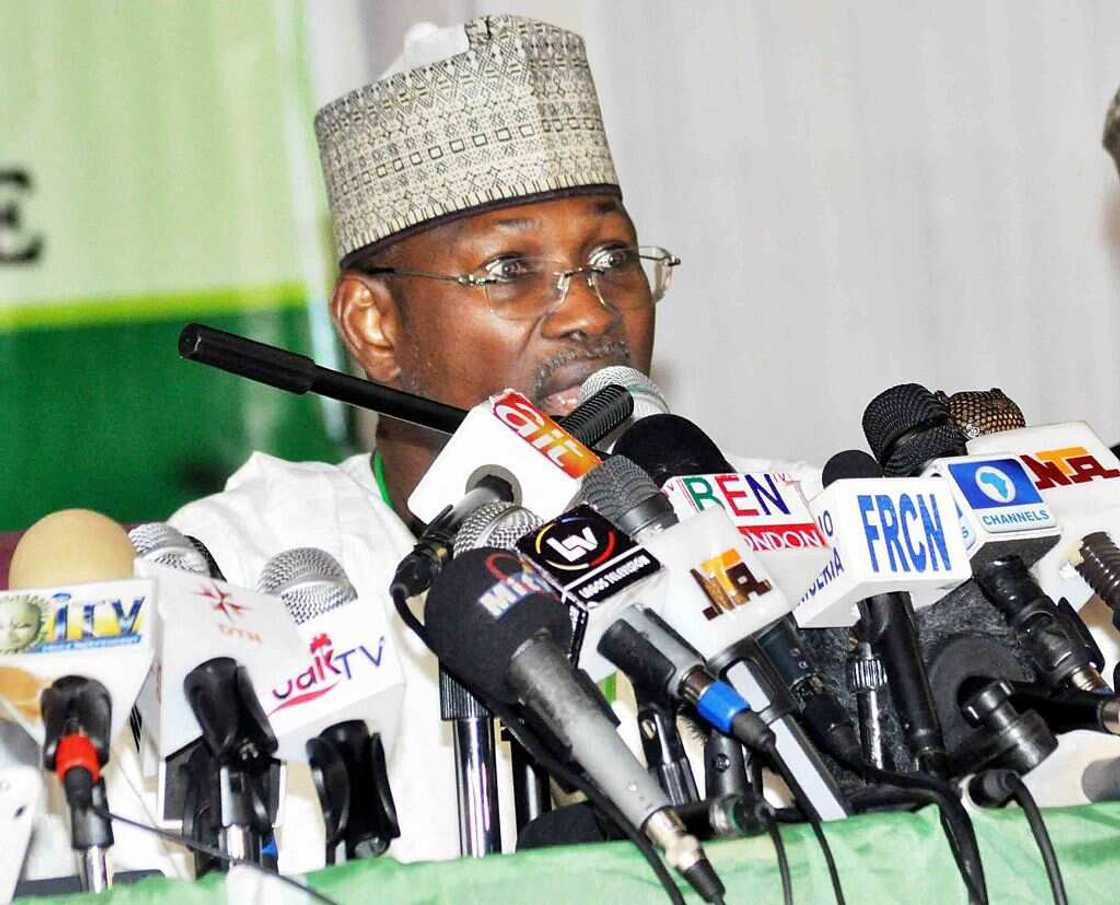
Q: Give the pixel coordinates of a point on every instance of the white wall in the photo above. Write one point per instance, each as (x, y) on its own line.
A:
(862, 193)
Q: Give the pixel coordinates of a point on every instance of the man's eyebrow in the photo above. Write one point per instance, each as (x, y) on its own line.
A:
(517, 224)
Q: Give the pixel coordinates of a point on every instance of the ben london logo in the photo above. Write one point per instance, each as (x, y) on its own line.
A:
(728, 583)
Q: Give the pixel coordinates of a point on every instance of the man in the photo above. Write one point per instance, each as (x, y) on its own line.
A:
(483, 244)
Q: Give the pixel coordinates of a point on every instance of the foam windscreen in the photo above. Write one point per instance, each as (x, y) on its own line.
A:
(483, 607)
(668, 446)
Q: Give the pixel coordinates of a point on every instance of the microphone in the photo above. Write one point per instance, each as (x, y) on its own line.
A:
(721, 600)
(496, 624)
(67, 653)
(160, 543)
(887, 623)
(510, 438)
(1076, 474)
(299, 374)
(341, 712)
(73, 546)
(647, 396)
(501, 443)
(981, 412)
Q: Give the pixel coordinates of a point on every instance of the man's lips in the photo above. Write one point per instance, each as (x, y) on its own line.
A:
(560, 393)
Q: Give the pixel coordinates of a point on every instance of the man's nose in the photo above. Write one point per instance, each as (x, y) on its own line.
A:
(581, 311)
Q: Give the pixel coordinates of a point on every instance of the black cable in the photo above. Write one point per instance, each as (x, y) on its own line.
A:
(212, 852)
(833, 873)
(783, 862)
(799, 796)
(537, 749)
(400, 601)
(1026, 801)
(954, 819)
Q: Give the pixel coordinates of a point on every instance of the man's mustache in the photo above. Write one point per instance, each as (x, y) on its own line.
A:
(612, 352)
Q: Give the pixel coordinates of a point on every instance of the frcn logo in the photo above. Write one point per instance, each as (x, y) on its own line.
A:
(544, 435)
(224, 604)
(571, 543)
(728, 583)
(1062, 467)
(327, 671)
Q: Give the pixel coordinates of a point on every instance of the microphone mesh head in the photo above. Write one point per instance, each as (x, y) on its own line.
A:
(160, 543)
(501, 524)
(851, 463)
(309, 581)
(982, 412)
(907, 426)
(648, 399)
(616, 487)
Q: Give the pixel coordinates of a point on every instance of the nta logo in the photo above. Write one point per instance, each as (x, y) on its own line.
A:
(1062, 467)
(728, 583)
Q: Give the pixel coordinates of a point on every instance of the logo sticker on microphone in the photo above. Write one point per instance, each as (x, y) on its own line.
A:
(1001, 495)
(1069, 465)
(585, 556)
(728, 583)
(542, 433)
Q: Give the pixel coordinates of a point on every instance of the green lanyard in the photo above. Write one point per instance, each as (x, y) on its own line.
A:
(379, 477)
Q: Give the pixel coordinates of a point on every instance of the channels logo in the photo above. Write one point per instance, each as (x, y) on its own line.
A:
(328, 669)
(1000, 494)
(728, 583)
(994, 484)
(544, 435)
(1069, 465)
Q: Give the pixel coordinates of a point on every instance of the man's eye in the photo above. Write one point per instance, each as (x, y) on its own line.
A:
(509, 269)
(612, 258)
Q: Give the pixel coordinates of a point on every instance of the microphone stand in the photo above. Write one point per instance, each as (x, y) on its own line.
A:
(476, 769)
(240, 742)
(77, 716)
(352, 782)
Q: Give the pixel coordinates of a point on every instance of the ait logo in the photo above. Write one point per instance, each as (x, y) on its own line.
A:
(728, 583)
(328, 669)
(994, 484)
(223, 602)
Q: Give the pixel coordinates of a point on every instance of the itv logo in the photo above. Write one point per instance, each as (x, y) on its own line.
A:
(904, 532)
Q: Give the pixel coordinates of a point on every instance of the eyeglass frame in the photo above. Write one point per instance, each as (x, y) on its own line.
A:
(564, 277)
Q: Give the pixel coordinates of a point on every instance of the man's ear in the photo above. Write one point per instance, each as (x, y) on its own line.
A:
(369, 322)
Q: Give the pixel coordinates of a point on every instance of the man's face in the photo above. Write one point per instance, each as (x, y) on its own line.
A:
(454, 349)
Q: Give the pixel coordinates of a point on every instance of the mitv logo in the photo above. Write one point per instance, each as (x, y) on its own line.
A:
(328, 670)
(728, 583)
(1062, 467)
(542, 433)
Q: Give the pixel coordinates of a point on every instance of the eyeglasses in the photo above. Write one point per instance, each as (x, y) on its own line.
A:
(520, 288)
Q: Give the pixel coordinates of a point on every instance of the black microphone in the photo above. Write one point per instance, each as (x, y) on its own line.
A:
(888, 624)
(496, 625)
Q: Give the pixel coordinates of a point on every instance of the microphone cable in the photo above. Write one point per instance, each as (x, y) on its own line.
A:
(780, 767)
(994, 788)
(529, 741)
(213, 852)
(783, 862)
(1025, 800)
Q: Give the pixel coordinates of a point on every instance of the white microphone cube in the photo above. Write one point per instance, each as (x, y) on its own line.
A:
(1079, 478)
(896, 534)
(100, 630)
(509, 437)
(769, 512)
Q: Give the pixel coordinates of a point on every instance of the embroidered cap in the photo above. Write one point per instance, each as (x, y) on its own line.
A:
(512, 118)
